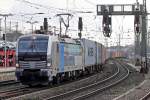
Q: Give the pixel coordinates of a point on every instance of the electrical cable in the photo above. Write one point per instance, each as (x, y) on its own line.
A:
(53, 8)
(90, 2)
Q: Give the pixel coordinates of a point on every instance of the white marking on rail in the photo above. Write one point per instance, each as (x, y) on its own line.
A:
(130, 90)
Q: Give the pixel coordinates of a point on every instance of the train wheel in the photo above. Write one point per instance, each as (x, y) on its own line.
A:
(101, 67)
(74, 75)
(54, 80)
(30, 85)
(77, 74)
(50, 84)
(58, 80)
(97, 68)
(66, 76)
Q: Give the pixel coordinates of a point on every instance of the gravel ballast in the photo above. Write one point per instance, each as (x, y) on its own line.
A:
(109, 69)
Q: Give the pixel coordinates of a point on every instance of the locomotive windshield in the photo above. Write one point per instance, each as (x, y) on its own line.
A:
(32, 45)
(32, 48)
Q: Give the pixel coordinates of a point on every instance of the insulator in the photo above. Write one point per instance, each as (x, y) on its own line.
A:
(45, 24)
(80, 24)
(3, 36)
(107, 31)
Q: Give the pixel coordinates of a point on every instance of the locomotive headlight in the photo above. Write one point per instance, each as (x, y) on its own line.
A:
(48, 64)
(17, 65)
(49, 61)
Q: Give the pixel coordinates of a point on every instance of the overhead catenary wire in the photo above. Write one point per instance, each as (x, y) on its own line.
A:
(50, 10)
(91, 3)
(53, 8)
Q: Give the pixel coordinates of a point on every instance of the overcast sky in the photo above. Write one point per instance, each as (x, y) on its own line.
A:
(92, 23)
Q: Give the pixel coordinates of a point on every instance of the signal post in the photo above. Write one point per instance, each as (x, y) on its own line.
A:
(140, 24)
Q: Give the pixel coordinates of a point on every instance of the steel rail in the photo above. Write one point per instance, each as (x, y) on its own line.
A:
(103, 88)
(8, 82)
(82, 88)
(145, 97)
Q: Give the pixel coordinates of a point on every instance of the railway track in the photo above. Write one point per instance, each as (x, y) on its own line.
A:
(9, 82)
(14, 91)
(92, 89)
(21, 90)
(146, 97)
(17, 91)
(83, 81)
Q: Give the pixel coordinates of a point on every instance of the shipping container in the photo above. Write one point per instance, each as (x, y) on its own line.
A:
(89, 52)
(103, 54)
(99, 53)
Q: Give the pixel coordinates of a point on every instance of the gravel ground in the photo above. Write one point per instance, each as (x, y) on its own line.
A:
(8, 87)
(108, 71)
(134, 79)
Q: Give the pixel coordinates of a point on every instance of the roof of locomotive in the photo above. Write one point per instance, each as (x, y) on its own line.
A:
(30, 36)
(44, 36)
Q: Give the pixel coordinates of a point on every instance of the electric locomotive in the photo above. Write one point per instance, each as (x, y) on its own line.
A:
(41, 59)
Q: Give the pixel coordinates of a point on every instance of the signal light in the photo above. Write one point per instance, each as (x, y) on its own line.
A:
(107, 31)
(137, 29)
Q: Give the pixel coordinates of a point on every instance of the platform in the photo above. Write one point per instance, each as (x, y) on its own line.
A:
(7, 69)
(7, 73)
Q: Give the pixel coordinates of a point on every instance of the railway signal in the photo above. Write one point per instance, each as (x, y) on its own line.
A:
(140, 23)
(137, 22)
(106, 24)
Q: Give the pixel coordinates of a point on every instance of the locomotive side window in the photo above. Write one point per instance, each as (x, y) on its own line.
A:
(73, 49)
(29, 45)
